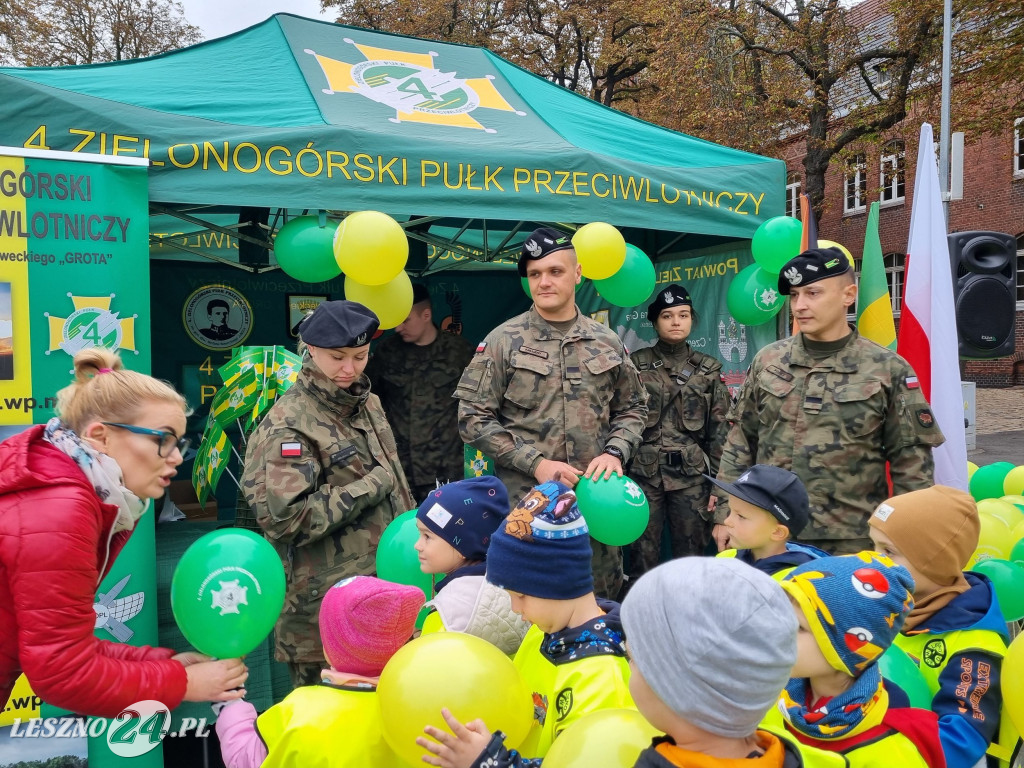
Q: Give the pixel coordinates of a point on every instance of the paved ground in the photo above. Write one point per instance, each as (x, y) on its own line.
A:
(1000, 426)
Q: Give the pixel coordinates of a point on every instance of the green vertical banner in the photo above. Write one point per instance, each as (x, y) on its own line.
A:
(74, 274)
(706, 274)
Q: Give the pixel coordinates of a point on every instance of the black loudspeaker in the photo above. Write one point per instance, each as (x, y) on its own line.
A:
(984, 266)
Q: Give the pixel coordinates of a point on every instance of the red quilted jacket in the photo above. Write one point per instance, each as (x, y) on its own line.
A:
(55, 546)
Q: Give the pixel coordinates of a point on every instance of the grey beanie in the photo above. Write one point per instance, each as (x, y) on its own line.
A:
(715, 640)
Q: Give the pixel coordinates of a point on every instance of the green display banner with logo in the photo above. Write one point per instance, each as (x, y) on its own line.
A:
(706, 275)
(74, 273)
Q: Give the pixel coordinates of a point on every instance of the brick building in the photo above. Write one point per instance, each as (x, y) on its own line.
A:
(884, 171)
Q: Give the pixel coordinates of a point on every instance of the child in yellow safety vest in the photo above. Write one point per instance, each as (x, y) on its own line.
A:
(337, 724)
(456, 522)
(850, 609)
(573, 658)
(956, 633)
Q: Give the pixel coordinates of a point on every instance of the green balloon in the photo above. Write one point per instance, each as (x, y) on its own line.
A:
(227, 592)
(1008, 581)
(987, 481)
(1017, 553)
(397, 561)
(305, 250)
(753, 297)
(896, 666)
(776, 241)
(634, 282)
(616, 510)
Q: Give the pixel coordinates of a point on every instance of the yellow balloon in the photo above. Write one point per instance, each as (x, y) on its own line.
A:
(371, 247)
(843, 248)
(1016, 534)
(1017, 501)
(611, 738)
(600, 248)
(1004, 510)
(994, 541)
(391, 302)
(467, 675)
(1013, 483)
(1012, 682)
(971, 469)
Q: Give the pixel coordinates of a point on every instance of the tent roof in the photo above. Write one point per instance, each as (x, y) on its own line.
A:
(298, 113)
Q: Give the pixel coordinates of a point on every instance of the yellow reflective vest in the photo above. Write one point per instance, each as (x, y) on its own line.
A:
(321, 726)
(563, 693)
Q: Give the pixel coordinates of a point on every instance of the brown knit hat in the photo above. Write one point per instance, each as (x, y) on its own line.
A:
(935, 528)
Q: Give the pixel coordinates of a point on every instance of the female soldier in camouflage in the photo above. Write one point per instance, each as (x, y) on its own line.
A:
(322, 474)
(684, 436)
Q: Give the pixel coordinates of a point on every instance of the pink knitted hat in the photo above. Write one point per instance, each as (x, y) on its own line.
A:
(365, 620)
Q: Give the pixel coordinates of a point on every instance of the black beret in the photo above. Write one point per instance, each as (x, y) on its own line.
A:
(337, 324)
(540, 243)
(811, 266)
(673, 296)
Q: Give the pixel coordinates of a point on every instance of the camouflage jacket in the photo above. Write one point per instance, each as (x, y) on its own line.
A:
(834, 422)
(529, 394)
(415, 385)
(322, 475)
(685, 417)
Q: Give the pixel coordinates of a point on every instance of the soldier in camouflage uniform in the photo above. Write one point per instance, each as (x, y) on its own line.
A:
(686, 430)
(322, 475)
(552, 392)
(414, 374)
(833, 408)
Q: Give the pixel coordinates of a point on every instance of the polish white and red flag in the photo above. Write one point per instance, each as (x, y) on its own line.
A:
(928, 337)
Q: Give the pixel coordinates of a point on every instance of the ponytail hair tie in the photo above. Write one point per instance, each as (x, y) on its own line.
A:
(105, 370)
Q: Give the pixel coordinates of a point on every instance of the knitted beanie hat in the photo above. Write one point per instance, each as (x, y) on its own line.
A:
(935, 528)
(855, 605)
(466, 514)
(714, 638)
(365, 620)
(543, 548)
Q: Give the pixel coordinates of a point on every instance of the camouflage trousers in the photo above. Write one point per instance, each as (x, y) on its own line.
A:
(684, 512)
(841, 546)
(305, 674)
(607, 567)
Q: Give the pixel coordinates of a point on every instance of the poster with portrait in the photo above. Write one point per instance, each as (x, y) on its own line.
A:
(217, 317)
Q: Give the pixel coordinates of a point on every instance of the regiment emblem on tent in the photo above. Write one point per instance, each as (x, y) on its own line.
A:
(411, 85)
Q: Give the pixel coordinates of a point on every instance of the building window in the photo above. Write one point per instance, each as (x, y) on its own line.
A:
(895, 263)
(881, 74)
(894, 186)
(1020, 271)
(1018, 147)
(856, 184)
(793, 194)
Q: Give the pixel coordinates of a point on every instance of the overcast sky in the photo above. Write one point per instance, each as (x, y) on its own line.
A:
(222, 17)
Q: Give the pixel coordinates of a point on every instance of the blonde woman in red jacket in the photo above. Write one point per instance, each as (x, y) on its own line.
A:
(71, 492)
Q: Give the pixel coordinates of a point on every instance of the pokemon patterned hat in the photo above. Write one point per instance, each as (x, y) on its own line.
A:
(539, 244)
(855, 606)
(811, 266)
(543, 547)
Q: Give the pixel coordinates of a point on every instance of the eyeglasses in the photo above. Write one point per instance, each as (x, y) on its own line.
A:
(166, 441)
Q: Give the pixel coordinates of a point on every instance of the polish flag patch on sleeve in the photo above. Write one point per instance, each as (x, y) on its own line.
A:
(291, 450)
(481, 347)
(912, 382)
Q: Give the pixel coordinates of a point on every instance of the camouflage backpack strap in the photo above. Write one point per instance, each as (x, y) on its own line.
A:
(647, 359)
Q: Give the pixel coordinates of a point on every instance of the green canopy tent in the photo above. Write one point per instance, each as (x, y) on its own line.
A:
(465, 148)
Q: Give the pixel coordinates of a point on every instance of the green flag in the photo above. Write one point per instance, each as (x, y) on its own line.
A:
(286, 369)
(248, 358)
(218, 452)
(233, 400)
(476, 463)
(200, 476)
(874, 305)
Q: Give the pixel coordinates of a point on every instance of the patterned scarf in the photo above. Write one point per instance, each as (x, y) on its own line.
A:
(855, 710)
(102, 471)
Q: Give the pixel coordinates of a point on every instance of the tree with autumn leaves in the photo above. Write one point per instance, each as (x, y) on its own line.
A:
(752, 74)
(62, 32)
